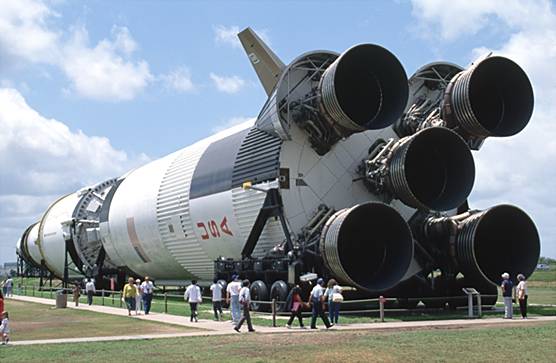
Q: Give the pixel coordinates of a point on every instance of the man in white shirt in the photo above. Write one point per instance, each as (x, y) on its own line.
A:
(193, 295)
(245, 301)
(216, 289)
(232, 298)
(317, 299)
(9, 284)
(90, 290)
(147, 289)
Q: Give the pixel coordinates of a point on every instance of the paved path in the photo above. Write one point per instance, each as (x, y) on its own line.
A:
(208, 327)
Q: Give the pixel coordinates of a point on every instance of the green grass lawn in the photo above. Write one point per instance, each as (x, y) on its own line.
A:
(531, 343)
(30, 321)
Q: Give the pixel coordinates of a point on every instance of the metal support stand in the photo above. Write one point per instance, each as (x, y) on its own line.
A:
(470, 292)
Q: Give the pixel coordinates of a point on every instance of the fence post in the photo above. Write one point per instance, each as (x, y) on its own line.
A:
(51, 293)
(381, 301)
(122, 297)
(102, 292)
(273, 313)
(479, 306)
(33, 290)
(165, 303)
(25, 290)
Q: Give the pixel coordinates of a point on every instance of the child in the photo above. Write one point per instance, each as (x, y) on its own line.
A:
(5, 328)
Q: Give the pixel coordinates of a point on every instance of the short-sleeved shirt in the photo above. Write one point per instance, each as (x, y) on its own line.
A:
(193, 294)
(5, 326)
(216, 292)
(316, 293)
(244, 295)
(9, 282)
(233, 288)
(147, 287)
(522, 286)
(90, 286)
(129, 291)
(508, 285)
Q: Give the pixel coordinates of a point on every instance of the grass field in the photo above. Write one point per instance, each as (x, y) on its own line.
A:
(531, 343)
(29, 321)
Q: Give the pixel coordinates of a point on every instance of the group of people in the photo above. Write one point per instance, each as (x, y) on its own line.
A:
(319, 298)
(521, 294)
(136, 292)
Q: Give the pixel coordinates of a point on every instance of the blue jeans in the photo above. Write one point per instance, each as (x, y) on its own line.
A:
(333, 311)
(147, 298)
(235, 308)
(508, 307)
(316, 312)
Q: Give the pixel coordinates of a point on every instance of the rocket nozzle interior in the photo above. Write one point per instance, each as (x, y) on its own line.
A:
(500, 239)
(365, 88)
(369, 245)
(493, 98)
(433, 170)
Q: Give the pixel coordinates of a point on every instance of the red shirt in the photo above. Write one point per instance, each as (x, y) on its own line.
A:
(1, 305)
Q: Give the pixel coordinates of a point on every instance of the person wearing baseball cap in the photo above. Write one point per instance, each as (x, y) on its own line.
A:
(232, 298)
(317, 304)
(507, 289)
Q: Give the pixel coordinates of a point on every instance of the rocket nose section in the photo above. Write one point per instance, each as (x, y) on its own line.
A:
(369, 245)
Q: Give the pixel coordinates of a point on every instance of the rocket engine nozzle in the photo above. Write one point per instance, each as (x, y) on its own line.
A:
(492, 98)
(369, 246)
(432, 169)
(365, 88)
(497, 240)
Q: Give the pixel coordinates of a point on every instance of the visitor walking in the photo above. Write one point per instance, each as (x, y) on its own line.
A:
(333, 295)
(5, 328)
(138, 297)
(294, 303)
(216, 290)
(76, 293)
(147, 290)
(245, 302)
(232, 298)
(193, 296)
(9, 284)
(128, 295)
(1, 302)
(507, 289)
(90, 290)
(317, 301)
(522, 293)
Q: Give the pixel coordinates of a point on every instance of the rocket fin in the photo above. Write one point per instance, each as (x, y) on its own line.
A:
(267, 65)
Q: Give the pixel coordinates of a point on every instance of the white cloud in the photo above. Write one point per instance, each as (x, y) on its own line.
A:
(43, 156)
(521, 169)
(228, 35)
(106, 71)
(103, 72)
(24, 32)
(179, 80)
(232, 122)
(42, 159)
(225, 84)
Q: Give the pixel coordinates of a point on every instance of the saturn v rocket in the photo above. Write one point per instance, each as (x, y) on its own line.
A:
(350, 171)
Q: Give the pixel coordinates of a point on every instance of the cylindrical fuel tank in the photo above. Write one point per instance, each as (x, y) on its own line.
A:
(29, 246)
(51, 235)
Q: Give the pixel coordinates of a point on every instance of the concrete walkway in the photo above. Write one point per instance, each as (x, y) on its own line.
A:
(209, 327)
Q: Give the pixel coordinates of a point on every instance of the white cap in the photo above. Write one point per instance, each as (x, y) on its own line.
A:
(505, 275)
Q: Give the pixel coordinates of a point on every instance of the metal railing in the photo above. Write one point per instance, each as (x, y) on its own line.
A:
(108, 298)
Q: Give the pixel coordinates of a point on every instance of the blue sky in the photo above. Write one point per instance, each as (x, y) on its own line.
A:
(91, 89)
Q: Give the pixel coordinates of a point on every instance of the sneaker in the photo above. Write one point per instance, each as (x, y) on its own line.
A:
(252, 330)
(314, 327)
(303, 327)
(236, 329)
(288, 326)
